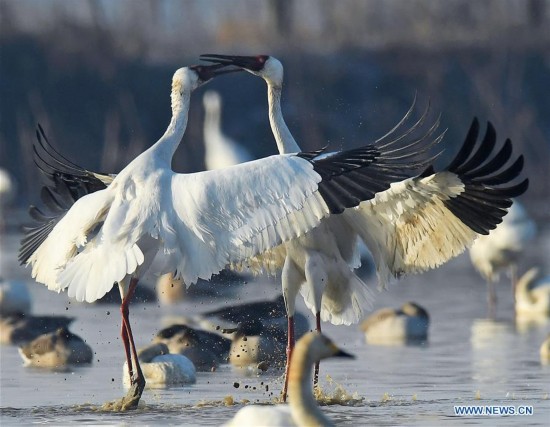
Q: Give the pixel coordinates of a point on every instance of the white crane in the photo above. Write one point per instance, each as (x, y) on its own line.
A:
(197, 223)
(220, 150)
(417, 224)
(501, 249)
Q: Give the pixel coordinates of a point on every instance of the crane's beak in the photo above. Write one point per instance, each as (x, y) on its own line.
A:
(250, 63)
(208, 72)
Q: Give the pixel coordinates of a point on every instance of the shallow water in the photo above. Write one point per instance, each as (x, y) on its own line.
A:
(468, 360)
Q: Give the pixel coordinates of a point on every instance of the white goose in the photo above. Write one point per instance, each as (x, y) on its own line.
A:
(417, 224)
(162, 368)
(387, 326)
(302, 410)
(220, 150)
(533, 294)
(197, 223)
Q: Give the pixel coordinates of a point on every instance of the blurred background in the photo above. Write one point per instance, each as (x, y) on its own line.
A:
(96, 75)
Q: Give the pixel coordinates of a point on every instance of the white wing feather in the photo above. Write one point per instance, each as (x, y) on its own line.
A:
(409, 229)
(230, 215)
(67, 237)
(202, 222)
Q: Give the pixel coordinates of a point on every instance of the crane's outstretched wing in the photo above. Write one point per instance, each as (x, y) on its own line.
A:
(66, 182)
(421, 222)
(227, 216)
(211, 219)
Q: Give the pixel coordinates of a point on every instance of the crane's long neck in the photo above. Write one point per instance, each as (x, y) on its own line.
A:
(303, 405)
(166, 146)
(283, 137)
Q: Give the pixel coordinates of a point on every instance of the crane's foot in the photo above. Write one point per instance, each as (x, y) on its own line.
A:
(130, 401)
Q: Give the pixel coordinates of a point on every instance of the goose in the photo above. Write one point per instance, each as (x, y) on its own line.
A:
(416, 224)
(161, 368)
(545, 351)
(254, 344)
(205, 349)
(196, 223)
(19, 329)
(387, 326)
(533, 294)
(56, 350)
(302, 409)
(271, 313)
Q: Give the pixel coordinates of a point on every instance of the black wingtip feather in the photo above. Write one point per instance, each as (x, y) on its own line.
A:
(484, 200)
(467, 147)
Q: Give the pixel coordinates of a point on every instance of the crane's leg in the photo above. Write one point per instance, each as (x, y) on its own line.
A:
(316, 369)
(316, 280)
(138, 381)
(124, 334)
(291, 280)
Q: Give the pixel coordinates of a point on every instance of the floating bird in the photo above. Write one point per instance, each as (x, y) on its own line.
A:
(272, 314)
(56, 350)
(197, 223)
(254, 343)
(533, 294)
(501, 249)
(545, 351)
(416, 224)
(409, 324)
(205, 349)
(161, 368)
(302, 409)
(14, 298)
(20, 328)
(220, 150)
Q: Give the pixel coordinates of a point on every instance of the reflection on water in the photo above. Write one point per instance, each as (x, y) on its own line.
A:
(398, 385)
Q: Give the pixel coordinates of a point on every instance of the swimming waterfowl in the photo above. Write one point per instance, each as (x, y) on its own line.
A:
(533, 294)
(302, 409)
(407, 324)
(205, 349)
(20, 329)
(56, 350)
(254, 343)
(161, 368)
(545, 351)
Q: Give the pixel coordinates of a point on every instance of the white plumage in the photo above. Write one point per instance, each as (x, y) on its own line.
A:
(196, 223)
(302, 409)
(387, 326)
(162, 369)
(220, 150)
(408, 227)
(533, 294)
(501, 250)
(502, 247)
